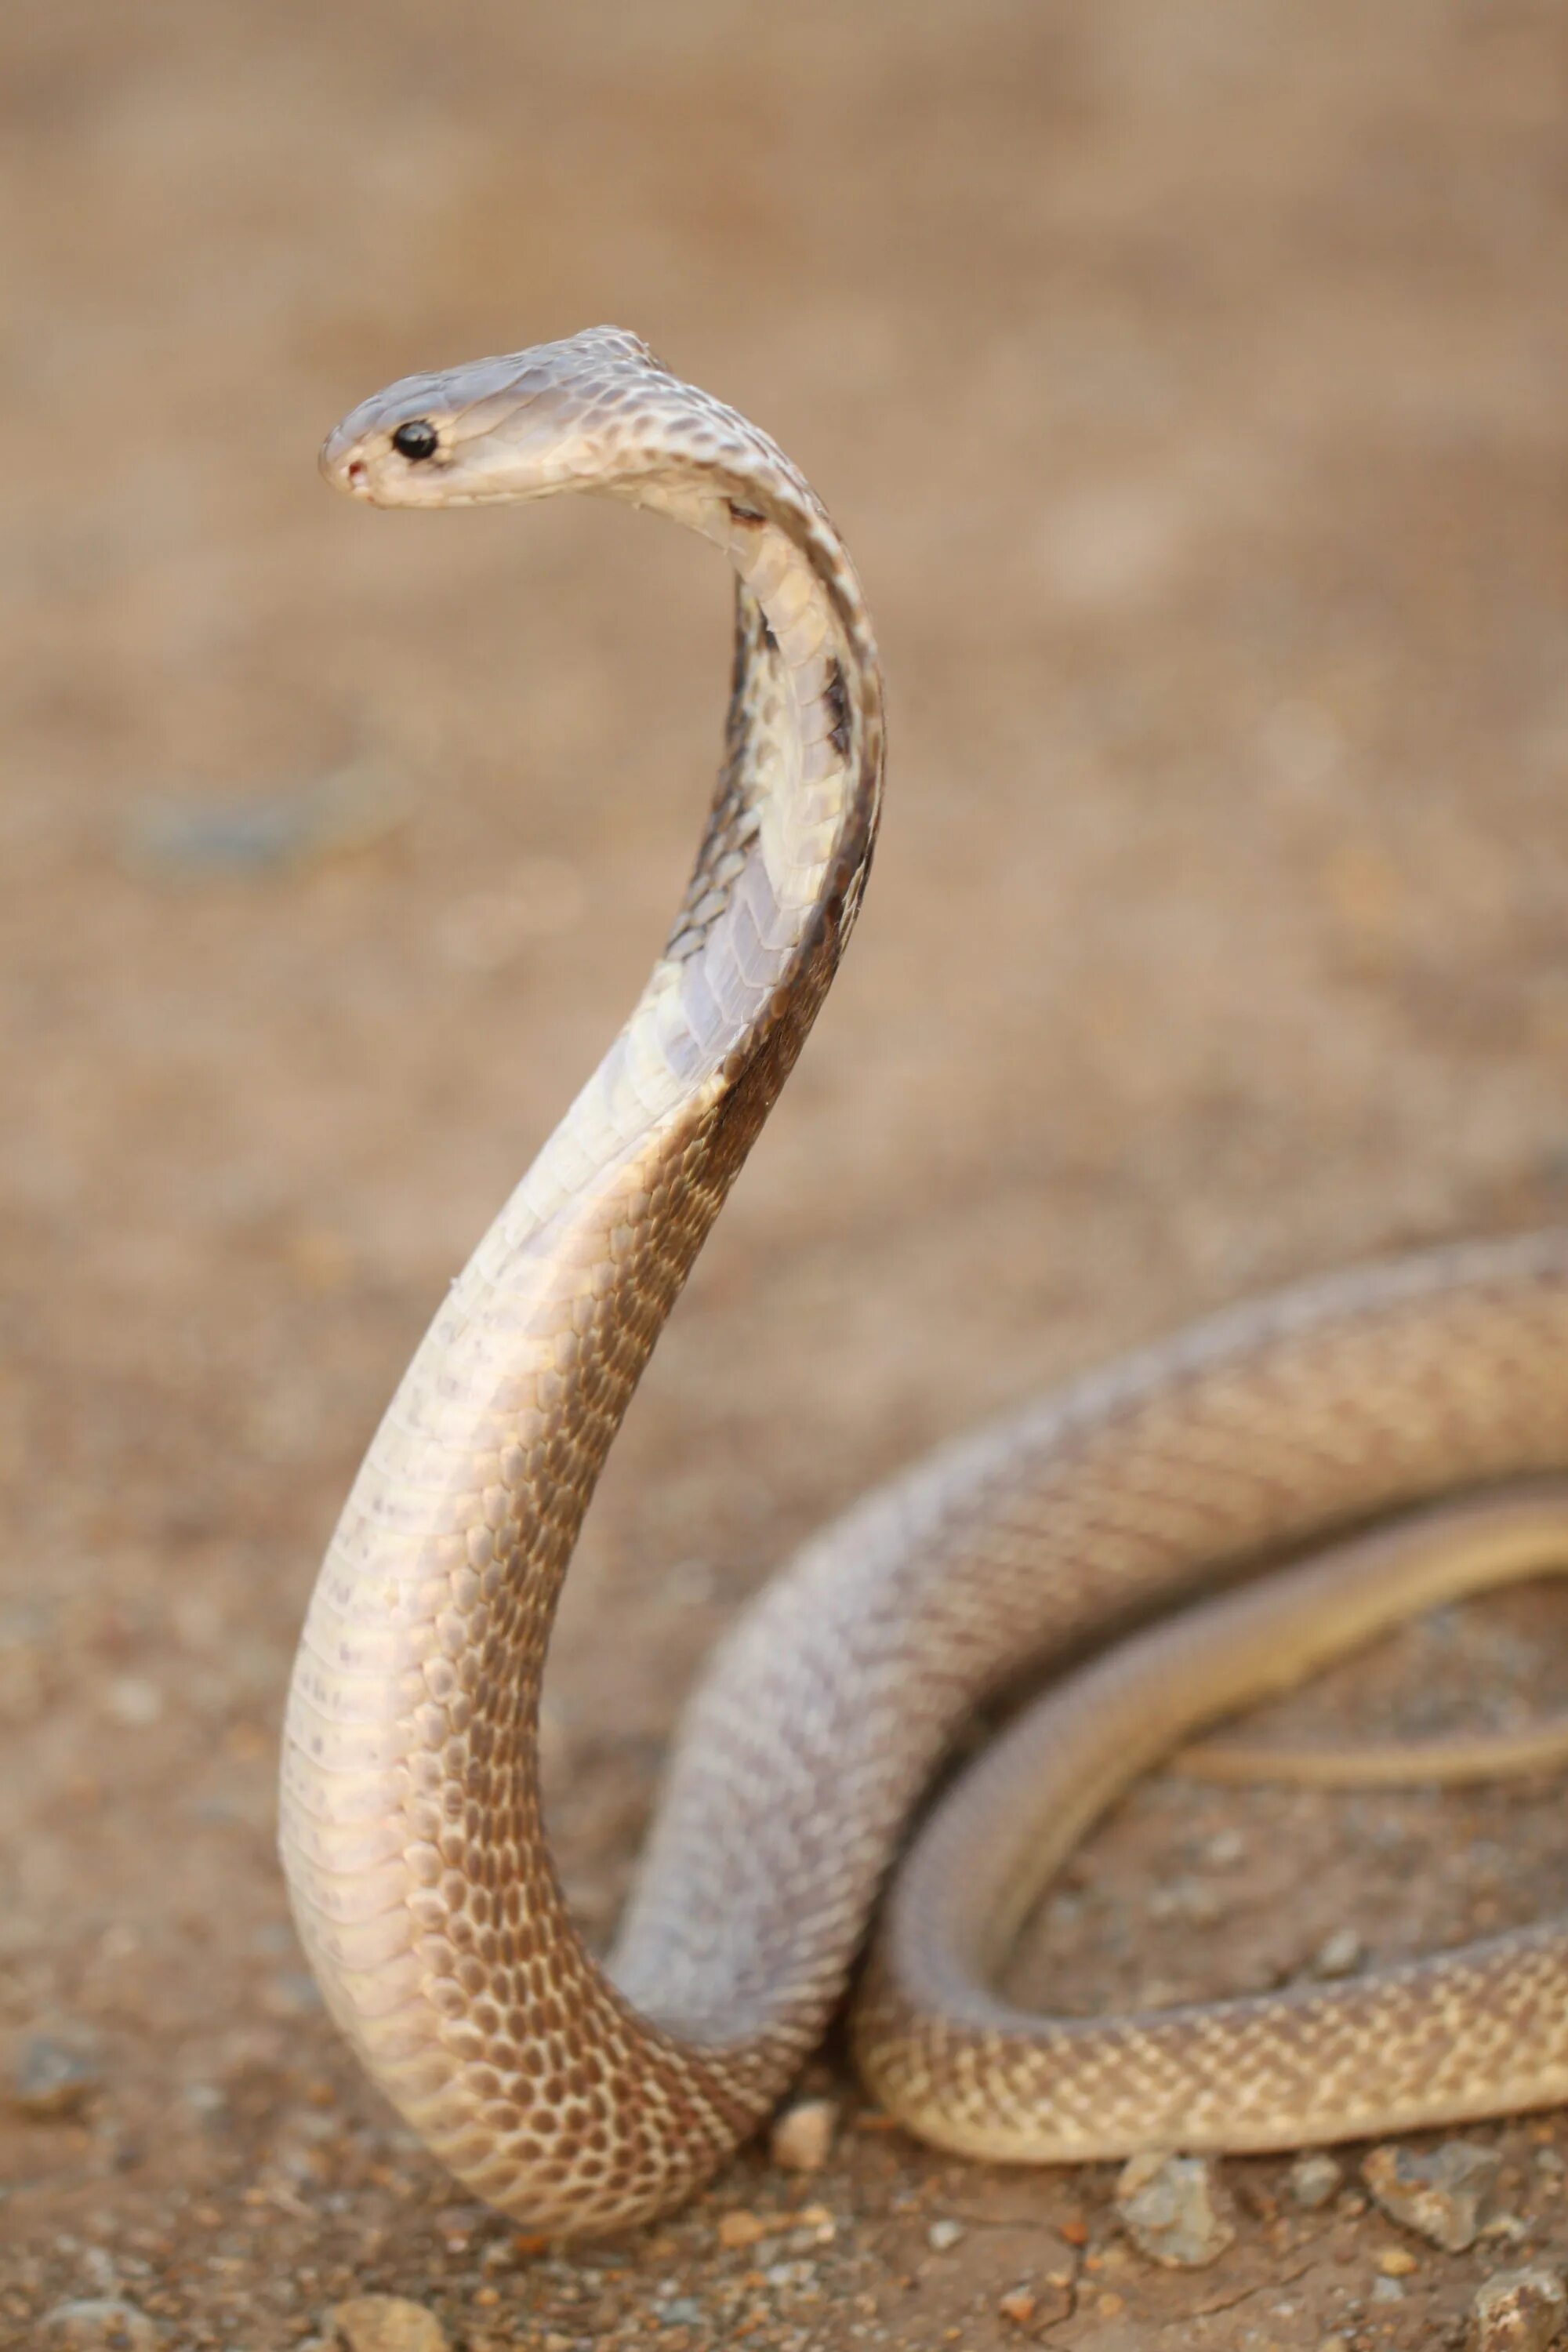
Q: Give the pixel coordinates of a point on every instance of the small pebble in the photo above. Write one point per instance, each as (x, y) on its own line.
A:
(1315, 2177)
(678, 2311)
(133, 1701)
(104, 2324)
(1174, 2209)
(1186, 1898)
(1445, 2197)
(1019, 2304)
(1340, 1955)
(803, 2136)
(385, 2323)
(816, 2221)
(1397, 2261)
(1518, 2311)
(1387, 2290)
(942, 2235)
(790, 2275)
(50, 2080)
(741, 2229)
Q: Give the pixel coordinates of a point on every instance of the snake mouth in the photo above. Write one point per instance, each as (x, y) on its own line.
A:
(343, 462)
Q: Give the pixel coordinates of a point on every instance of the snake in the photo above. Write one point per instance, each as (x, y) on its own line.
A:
(1379, 1439)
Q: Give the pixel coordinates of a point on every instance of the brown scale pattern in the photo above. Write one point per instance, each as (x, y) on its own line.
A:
(732, 821)
(580, 2098)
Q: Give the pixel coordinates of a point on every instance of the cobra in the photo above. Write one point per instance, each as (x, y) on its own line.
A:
(581, 2094)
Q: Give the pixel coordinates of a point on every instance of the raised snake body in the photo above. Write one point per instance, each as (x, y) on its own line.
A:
(582, 2096)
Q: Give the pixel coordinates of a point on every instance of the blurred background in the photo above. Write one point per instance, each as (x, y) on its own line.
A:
(1188, 378)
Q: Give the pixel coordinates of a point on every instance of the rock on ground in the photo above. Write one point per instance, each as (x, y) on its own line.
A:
(1446, 2197)
(385, 2323)
(1174, 2209)
(49, 2079)
(1314, 2178)
(100, 2324)
(802, 2138)
(1519, 2311)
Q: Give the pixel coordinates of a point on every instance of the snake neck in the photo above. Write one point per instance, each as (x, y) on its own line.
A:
(448, 1955)
(604, 1227)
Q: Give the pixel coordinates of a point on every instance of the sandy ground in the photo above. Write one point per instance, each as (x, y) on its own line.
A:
(1188, 376)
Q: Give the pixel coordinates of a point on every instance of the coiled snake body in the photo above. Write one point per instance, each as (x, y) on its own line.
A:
(582, 2096)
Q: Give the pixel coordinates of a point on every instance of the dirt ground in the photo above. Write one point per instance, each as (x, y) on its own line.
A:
(1188, 376)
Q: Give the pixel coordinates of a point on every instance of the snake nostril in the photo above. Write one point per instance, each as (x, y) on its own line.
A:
(357, 472)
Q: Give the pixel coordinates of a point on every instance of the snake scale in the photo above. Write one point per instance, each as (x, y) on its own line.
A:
(582, 2095)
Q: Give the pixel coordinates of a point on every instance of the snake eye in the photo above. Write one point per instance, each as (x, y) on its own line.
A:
(417, 440)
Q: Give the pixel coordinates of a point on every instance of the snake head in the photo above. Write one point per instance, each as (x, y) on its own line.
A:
(579, 414)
